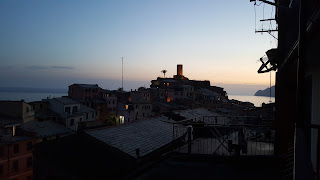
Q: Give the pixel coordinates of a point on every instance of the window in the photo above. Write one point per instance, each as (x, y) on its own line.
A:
(29, 146)
(1, 151)
(15, 166)
(80, 119)
(27, 109)
(113, 102)
(29, 162)
(67, 109)
(92, 114)
(71, 122)
(40, 106)
(87, 115)
(1, 170)
(13, 130)
(16, 148)
(75, 109)
(142, 114)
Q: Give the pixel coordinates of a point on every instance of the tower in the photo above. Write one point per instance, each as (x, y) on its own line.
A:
(179, 70)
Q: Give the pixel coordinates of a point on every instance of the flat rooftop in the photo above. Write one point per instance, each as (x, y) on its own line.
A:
(148, 135)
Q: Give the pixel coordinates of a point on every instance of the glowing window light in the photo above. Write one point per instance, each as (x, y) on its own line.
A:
(121, 119)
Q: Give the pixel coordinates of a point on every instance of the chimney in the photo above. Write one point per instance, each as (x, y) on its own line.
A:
(179, 70)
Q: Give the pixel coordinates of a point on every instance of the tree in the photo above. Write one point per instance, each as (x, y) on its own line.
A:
(164, 73)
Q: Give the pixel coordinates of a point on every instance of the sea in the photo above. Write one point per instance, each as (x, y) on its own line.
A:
(256, 100)
(29, 97)
(38, 96)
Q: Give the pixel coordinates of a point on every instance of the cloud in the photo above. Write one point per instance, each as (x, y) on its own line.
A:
(48, 67)
(60, 67)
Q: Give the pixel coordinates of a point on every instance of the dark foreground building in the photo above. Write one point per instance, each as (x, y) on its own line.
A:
(200, 144)
(296, 60)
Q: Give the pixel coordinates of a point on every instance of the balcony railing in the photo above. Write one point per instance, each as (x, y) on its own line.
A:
(223, 136)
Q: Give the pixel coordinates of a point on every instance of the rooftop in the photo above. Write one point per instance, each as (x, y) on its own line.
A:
(208, 92)
(92, 86)
(86, 109)
(148, 135)
(65, 100)
(45, 128)
(6, 121)
(205, 115)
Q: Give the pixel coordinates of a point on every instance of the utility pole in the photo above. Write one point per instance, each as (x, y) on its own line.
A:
(122, 72)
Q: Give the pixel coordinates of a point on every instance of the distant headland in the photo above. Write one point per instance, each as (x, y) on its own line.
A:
(266, 92)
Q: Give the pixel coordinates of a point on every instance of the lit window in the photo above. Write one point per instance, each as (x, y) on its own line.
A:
(127, 107)
(121, 119)
(13, 130)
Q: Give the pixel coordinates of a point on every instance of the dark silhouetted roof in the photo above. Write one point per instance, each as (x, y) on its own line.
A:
(45, 128)
(66, 101)
(148, 135)
(9, 121)
(92, 86)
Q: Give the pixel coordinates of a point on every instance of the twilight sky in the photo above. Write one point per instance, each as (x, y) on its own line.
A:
(53, 44)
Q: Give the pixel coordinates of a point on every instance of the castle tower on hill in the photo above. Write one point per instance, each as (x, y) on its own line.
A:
(179, 73)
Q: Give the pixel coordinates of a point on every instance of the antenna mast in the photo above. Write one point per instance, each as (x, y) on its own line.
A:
(122, 72)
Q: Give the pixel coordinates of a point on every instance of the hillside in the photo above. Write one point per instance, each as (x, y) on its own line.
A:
(266, 92)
